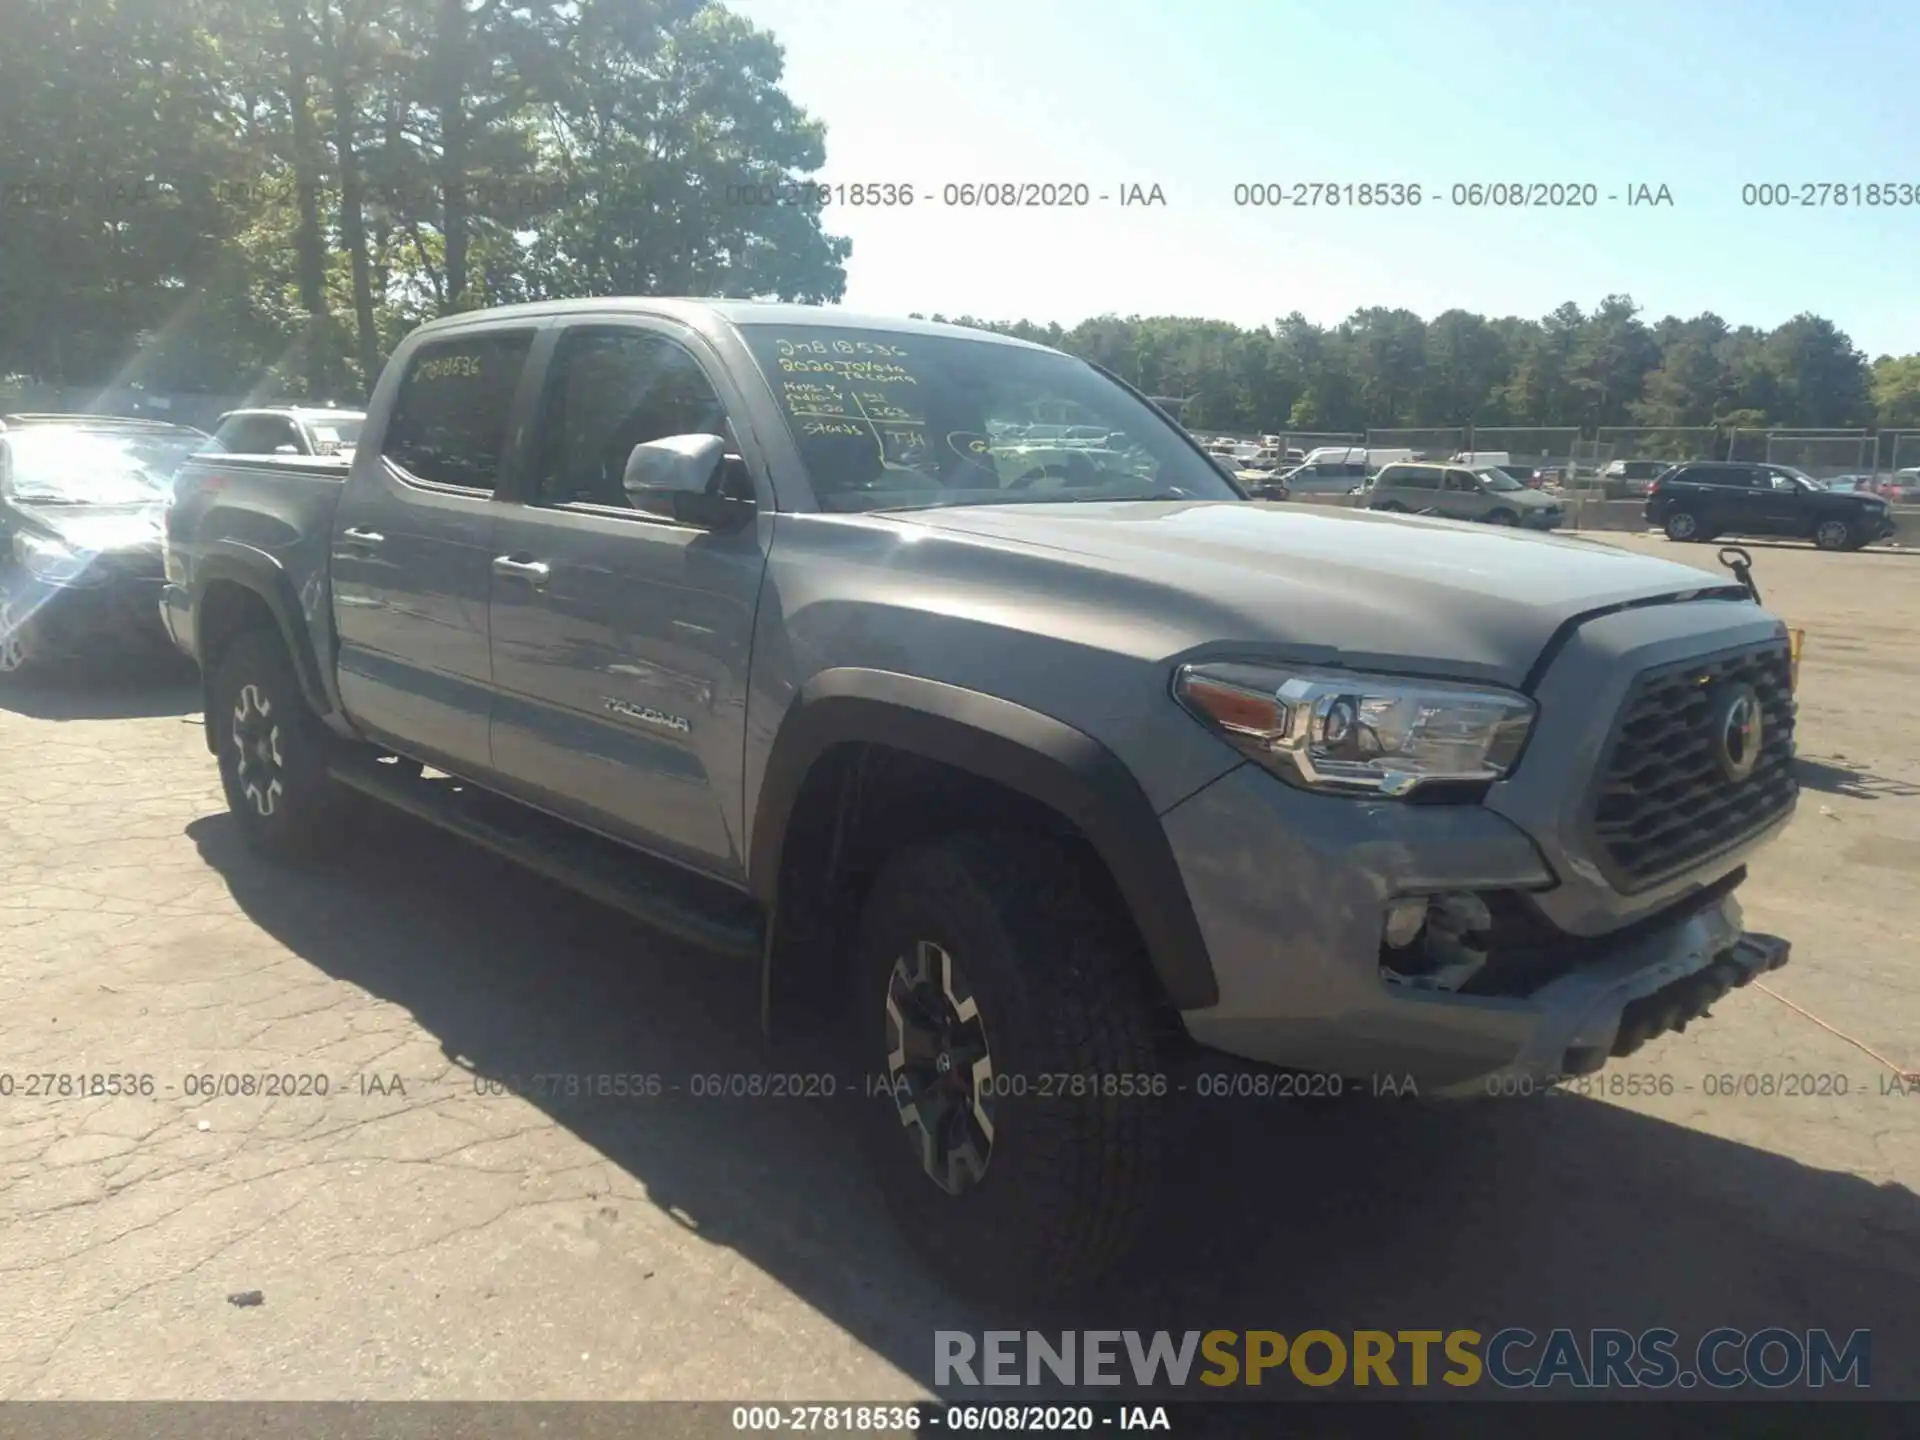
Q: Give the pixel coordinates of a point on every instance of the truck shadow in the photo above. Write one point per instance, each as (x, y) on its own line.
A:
(1849, 780)
(138, 688)
(1278, 1214)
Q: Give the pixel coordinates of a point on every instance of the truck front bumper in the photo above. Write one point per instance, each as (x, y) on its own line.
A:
(1291, 891)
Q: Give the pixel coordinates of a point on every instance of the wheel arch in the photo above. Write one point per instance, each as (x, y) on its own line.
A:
(237, 588)
(1059, 770)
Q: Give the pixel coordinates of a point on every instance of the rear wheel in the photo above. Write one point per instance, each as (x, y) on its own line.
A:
(1836, 535)
(273, 751)
(1683, 526)
(1006, 1009)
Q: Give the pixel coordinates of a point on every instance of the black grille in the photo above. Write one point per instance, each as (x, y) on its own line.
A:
(1663, 801)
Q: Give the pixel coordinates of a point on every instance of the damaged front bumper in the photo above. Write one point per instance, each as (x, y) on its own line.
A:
(1656, 984)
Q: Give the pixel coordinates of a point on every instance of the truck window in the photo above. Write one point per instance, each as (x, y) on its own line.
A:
(449, 424)
(608, 391)
(254, 435)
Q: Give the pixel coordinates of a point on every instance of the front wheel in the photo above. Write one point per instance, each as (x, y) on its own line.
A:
(1393, 507)
(273, 750)
(1005, 1013)
(1836, 535)
(1503, 517)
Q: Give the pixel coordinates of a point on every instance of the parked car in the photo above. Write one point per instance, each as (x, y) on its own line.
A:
(1458, 493)
(295, 430)
(1550, 477)
(80, 506)
(1326, 477)
(160, 445)
(1631, 479)
(1016, 783)
(1704, 499)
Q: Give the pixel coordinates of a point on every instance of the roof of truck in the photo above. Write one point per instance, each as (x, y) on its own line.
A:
(703, 314)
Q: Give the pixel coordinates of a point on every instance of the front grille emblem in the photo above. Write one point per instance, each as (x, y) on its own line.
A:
(1739, 732)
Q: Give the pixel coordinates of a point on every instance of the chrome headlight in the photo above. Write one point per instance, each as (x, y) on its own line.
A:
(1355, 733)
(48, 560)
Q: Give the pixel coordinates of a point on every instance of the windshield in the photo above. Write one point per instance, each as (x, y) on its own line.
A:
(886, 421)
(1498, 480)
(75, 467)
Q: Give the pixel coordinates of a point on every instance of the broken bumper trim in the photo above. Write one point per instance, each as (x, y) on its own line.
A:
(1655, 988)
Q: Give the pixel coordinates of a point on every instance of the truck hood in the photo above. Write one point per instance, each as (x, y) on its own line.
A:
(1342, 586)
(92, 529)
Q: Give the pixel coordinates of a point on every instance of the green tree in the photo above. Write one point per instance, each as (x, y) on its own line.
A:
(1896, 392)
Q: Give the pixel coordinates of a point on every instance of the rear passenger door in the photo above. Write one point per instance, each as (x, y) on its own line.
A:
(413, 547)
(620, 636)
(1729, 499)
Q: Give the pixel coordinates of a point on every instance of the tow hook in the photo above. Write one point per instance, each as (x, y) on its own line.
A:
(1741, 564)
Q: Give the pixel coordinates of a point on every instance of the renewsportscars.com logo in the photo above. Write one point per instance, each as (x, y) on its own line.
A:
(1723, 1359)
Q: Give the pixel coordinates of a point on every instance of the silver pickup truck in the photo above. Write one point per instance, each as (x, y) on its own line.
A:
(1034, 771)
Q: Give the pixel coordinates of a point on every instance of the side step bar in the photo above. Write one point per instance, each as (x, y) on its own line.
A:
(676, 902)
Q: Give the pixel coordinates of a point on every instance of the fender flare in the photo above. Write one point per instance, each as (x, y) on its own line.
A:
(263, 576)
(1040, 757)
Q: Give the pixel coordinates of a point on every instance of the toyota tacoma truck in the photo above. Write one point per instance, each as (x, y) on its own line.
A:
(1031, 770)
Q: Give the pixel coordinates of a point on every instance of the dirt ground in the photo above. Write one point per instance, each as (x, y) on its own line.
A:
(413, 1235)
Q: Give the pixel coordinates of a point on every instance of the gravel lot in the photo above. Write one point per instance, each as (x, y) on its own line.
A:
(413, 1237)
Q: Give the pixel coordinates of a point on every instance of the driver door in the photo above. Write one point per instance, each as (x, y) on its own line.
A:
(1780, 505)
(621, 637)
(1461, 497)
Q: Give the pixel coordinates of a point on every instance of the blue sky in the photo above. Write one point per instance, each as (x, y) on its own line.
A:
(1700, 95)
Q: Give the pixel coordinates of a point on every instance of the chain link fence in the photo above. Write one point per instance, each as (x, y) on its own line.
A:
(1438, 443)
(1527, 447)
(1669, 443)
(1307, 441)
(1903, 454)
(1776, 444)
(1585, 462)
(1826, 457)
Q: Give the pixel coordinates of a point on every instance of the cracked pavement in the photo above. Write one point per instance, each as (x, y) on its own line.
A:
(417, 1231)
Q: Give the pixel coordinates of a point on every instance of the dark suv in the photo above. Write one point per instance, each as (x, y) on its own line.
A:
(1707, 498)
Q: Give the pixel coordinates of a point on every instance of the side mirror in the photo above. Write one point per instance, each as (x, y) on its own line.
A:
(286, 450)
(682, 474)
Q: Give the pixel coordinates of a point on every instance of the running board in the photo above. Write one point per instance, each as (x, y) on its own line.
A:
(674, 901)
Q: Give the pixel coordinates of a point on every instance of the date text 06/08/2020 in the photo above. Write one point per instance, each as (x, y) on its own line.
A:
(1330, 194)
(961, 194)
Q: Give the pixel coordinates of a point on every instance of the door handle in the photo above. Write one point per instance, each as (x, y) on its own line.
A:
(362, 537)
(534, 572)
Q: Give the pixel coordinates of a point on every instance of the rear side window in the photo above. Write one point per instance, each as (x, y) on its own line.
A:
(254, 435)
(449, 425)
(1418, 477)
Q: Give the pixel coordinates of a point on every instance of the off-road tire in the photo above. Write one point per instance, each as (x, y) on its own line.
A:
(255, 676)
(1063, 991)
